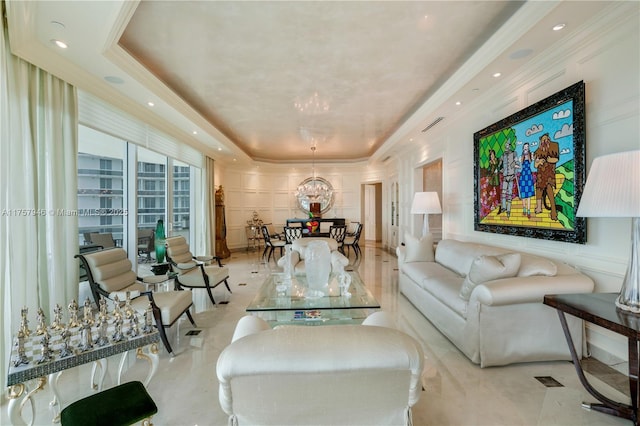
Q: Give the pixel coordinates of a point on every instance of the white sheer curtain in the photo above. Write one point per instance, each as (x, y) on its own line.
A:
(38, 183)
(210, 203)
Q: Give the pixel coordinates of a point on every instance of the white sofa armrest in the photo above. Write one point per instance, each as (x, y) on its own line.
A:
(509, 291)
(401, 252)
(249, 325)
(380, 319)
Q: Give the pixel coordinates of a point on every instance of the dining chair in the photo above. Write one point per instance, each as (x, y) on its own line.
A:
(110, 274)
(292, 233)
(270, 244)
(104, 239)
(353, 241)
(338, 232)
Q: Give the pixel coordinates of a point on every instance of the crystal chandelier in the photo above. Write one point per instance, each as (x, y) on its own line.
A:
(313, 190)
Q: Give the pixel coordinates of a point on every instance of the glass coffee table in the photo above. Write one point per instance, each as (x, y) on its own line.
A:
(281, 304)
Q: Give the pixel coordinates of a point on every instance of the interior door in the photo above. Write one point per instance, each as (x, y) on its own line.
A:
(370, 212)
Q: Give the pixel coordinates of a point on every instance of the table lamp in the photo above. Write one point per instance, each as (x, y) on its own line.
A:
(613, 190)
(425, 203)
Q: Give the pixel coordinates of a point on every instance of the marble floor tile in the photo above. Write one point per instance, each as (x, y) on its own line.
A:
(456, 392)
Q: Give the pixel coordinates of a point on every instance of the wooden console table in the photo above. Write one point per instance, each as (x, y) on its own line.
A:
(600, 309)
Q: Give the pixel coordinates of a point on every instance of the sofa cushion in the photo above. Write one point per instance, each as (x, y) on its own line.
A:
(445, 289)
(418, 250)
(535, 265)
(459, 255)
(418, 271)
(488, 268)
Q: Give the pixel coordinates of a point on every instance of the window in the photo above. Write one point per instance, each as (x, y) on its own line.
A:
(162, 190)
(101, 183)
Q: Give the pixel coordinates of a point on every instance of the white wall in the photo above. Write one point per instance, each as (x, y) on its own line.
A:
(605, 54)
(269, 190)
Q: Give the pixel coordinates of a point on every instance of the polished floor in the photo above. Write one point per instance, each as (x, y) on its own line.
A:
(456, 392)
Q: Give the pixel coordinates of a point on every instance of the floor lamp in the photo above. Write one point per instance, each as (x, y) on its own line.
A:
(613, 190)
(425, 203)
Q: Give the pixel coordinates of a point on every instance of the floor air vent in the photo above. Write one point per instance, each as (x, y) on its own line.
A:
(549, 382)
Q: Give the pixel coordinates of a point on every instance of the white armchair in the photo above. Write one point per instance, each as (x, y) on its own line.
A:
(195, 271)
(303, 375)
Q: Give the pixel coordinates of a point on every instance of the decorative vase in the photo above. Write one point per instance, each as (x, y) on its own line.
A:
(317, 262)
(160, 242)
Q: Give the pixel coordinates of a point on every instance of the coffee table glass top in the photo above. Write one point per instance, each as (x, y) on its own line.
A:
(289, 303)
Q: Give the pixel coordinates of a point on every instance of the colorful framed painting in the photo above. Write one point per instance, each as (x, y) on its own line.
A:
(529, 170)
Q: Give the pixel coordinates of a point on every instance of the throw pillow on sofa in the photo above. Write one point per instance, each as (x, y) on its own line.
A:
(533, 265)
(488, 268)
(418, 250)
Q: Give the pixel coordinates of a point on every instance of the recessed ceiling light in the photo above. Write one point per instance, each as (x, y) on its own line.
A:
(558, 27)
(219, 149)
(61, 44)
(113, 79)
(195, 132)
(497, 74)
(150, 103)
(458, 103)
(475, 89)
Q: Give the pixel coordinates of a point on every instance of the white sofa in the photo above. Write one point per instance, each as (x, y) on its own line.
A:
(320, 375)
(298, 249)
(488, 300)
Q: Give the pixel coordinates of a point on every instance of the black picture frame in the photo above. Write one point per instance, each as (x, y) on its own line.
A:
(561, 117)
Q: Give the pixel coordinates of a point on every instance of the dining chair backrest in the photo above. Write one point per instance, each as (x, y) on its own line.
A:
(292, 233)
(265, 234)
(338, 232)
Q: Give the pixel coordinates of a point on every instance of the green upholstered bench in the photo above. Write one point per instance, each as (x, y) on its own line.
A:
(125, 404)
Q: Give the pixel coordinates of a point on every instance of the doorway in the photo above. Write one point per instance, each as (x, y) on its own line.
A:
(372, 212)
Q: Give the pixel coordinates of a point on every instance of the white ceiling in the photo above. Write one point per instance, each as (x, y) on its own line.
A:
(262, 81)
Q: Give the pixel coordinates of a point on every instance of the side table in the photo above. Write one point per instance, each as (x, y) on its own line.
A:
(600, 309)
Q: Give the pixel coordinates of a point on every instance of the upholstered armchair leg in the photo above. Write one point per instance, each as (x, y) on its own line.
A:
(191, 318)
(163, 333)
(210, 294)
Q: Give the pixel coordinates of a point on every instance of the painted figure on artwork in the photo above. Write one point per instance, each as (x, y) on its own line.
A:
(546, 157)
(525, 181)
(494, 178)
(508, 164)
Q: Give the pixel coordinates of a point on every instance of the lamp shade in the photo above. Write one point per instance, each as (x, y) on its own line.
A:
(425, 203)
(613, 187)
